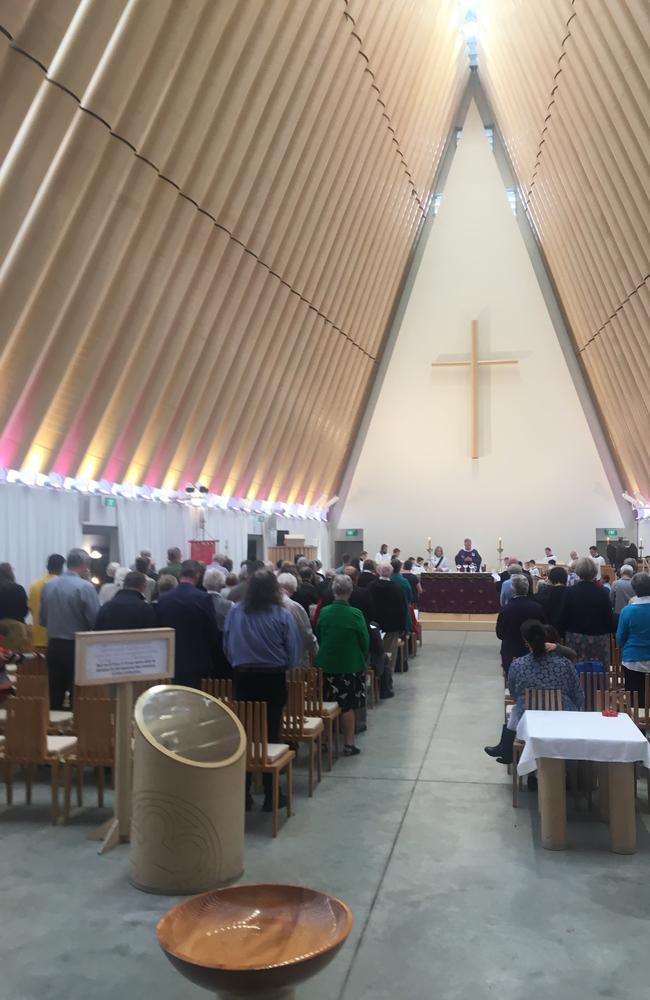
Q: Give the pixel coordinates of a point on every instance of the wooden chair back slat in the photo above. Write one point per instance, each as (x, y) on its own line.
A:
(543, 699)
(218, 687)
(294, 713)
(312, 680)
(95, 726)
(593, 685)
(624, 702)
(32, 685)
(252, 715)
(26, 729)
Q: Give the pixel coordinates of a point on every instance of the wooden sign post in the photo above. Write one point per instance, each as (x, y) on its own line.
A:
(122, 658)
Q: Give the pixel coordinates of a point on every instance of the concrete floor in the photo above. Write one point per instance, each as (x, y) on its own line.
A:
(452, 895)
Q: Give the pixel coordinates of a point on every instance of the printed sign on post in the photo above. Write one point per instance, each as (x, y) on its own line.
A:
(126, 655)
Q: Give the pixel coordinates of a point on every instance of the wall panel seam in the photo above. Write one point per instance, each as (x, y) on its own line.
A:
(182, 194)
(617, 310)
(385, 113)
(550, 104)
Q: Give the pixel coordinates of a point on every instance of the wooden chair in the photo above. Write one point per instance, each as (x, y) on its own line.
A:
(218, 687)
(399, 657)
(413, 643)
(27, 744)
(619, 700)
(95, 727)
(35, 685)
(316, 707)
(263, 757)
(537, 700)
(33, 666)
(372, 687)
(593, 686)
(297, 727)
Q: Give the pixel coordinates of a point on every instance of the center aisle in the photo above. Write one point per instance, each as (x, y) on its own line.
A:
(453, 897)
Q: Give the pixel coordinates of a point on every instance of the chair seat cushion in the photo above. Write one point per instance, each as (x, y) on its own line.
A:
(58, 716)
(275, 751)
(60, 744)
(311, 724)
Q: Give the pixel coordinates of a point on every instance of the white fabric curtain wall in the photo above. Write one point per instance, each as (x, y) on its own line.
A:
(34, 523)
(230, 527)
(143, 524)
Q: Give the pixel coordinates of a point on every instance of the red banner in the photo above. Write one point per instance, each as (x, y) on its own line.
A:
(202, 551)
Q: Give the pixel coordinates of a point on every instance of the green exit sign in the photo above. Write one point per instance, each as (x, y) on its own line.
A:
(351, 532)
(612, 533)
(109, 502)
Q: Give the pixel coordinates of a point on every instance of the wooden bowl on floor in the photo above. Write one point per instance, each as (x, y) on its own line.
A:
(248, 940)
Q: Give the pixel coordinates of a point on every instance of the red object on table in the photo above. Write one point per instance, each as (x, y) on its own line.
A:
(202, 551)
(609, 713)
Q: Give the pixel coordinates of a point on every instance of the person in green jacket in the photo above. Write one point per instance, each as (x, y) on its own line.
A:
(342, 636)
(173, 567)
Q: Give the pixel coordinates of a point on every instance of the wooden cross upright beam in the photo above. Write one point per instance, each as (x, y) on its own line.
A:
(474, 363)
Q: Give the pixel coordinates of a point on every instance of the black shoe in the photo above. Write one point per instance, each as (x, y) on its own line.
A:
(267, 805)
(351, 751)
(494, 751)
(505, 747)
(389, 694)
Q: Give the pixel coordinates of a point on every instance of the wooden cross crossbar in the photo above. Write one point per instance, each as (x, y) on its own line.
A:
(474, 363)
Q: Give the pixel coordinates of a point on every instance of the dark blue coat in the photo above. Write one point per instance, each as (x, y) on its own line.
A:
(190, 612)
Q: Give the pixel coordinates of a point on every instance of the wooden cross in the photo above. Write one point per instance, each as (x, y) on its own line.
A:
(473, 364)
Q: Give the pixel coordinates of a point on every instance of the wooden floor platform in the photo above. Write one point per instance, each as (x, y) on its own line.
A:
(431, 622)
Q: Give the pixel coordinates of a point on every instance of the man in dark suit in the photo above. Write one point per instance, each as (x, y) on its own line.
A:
(388, 603)
(518, 610)
(368, 574)
(128, 608)
(191, 612)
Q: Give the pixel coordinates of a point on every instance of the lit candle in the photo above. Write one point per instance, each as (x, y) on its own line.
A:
(499, 545)
(429, 542)
(641, 544)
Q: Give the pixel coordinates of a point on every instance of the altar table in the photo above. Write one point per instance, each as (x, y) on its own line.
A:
(459, 593)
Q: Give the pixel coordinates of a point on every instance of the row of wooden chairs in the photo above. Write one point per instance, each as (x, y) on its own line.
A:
(28, 744)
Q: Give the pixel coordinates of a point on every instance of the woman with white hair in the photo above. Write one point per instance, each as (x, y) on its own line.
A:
(214, 581)
(288, 586)
(586, 617)
(343, 657)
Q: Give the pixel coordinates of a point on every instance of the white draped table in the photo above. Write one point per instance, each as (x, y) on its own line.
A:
(615, 743)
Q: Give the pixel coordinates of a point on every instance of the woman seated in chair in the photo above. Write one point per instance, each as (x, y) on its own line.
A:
(342, 634)
(541, 667)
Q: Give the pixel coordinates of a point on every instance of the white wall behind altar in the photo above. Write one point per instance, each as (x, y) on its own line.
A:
(539, 480)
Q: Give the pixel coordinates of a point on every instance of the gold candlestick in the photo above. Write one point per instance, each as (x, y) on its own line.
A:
(429, 547)
(500, 555)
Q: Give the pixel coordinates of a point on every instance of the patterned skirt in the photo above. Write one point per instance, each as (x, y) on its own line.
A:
(349, 690)
(590, 647)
